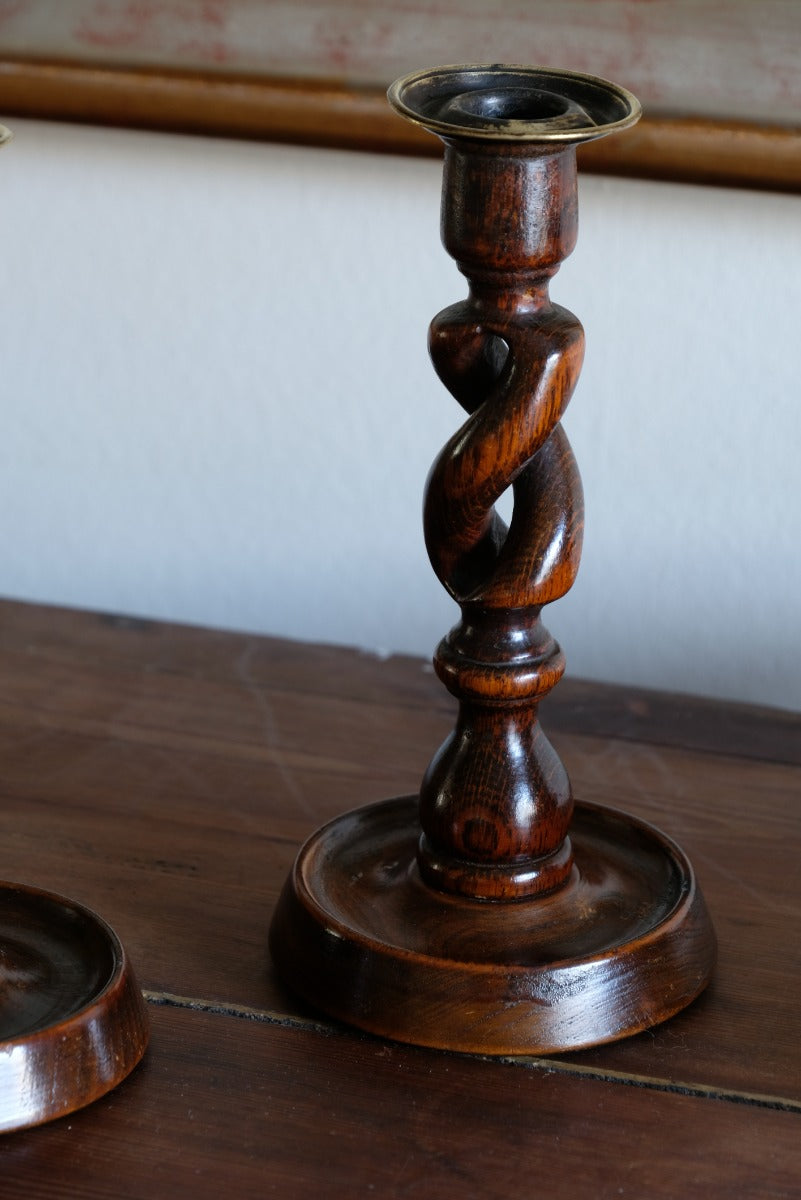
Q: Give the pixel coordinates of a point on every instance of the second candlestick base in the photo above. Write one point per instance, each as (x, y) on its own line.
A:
(73, 1023)
(626, 943)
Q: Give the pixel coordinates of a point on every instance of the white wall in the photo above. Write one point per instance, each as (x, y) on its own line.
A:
(217, 405)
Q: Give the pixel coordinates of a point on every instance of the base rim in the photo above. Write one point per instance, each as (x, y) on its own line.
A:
(73, 1022)
(365, 946)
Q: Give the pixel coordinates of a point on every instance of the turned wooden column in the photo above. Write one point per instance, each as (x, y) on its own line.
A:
(496, 803)
(493, 912)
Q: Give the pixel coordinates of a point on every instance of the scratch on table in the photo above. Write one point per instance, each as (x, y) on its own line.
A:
(269, 728)
(178, 767)
(757, 895)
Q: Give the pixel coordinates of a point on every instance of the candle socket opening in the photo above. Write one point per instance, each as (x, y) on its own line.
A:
(505, 104)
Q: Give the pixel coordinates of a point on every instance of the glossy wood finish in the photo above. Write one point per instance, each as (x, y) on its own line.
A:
(496, 796)
(496, 919)
(72, 1019)
(166, 776)
(623, 945)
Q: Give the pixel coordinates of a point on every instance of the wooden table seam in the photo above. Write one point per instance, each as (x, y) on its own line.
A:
(549, 1065)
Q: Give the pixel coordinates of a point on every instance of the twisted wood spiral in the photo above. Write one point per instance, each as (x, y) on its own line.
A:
(496, 802)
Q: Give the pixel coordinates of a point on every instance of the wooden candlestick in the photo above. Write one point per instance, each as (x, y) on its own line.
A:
(494, 915)
(73, 1022)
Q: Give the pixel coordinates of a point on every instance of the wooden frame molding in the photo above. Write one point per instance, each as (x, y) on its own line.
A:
(320, 113)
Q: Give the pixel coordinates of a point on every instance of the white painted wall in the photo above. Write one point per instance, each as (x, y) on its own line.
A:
(217, 405)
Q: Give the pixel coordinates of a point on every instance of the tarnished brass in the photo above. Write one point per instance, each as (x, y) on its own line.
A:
(509, 103)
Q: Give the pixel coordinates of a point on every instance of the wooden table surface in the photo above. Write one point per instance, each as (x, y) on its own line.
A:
(166, 776)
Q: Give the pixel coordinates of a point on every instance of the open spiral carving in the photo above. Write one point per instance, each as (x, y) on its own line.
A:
(496, 801)
(514, 376)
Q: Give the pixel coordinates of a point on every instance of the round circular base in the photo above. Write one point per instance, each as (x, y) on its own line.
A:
(626, 943)
(72, 1019)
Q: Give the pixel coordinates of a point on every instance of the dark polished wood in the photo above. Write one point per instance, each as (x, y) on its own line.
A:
(512, 979)
(72, 1020)
(165, 775)
(340, 1116)
(497, 916)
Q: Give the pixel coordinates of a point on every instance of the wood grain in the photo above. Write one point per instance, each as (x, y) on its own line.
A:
(164, 776)
(251, 1109)
(36, 636)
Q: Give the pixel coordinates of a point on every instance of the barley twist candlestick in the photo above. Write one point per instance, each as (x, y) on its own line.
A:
(496, 916)
(511, 359)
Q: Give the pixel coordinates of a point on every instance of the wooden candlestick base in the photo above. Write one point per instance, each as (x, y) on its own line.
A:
(623, 945)
(72, 1018)
(493, 914)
